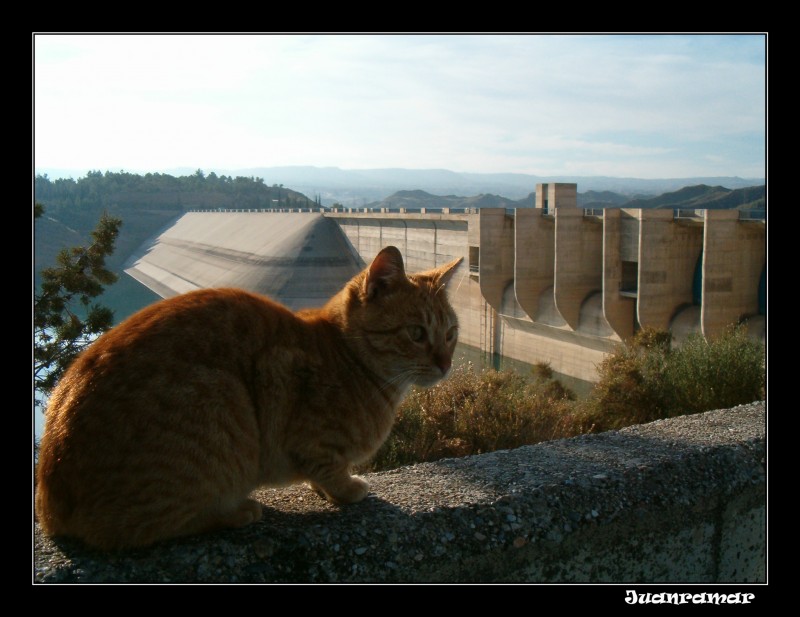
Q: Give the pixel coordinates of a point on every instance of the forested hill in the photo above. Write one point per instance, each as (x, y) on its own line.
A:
(145, 203)
(78, 203)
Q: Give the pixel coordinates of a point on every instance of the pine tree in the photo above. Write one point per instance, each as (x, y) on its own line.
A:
(65, 320)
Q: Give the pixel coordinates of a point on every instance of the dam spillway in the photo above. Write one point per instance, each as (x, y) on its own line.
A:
(554, 283)
(299, 259)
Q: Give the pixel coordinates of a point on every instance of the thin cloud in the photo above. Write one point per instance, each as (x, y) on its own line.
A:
(652, 105)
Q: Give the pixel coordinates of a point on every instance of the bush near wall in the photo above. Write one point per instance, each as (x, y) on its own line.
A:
(480, 411)
(649, 379)
(476, 411)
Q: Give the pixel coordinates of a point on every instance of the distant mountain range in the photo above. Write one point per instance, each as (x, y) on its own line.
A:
(689, 197)
(703, 196)
(360, 187)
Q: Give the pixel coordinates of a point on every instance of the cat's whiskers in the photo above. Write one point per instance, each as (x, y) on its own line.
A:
(402, 379)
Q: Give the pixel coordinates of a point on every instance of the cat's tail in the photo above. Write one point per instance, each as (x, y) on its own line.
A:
(53, 503)
(59, 513)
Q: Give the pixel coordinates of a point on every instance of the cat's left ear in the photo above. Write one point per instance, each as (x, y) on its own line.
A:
(384, 271)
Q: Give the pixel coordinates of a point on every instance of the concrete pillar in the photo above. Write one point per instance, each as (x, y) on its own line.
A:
(562, 195)
(541, 200)
(618, 310)
(474, 230)
(668, 253)
(551, 195)
(734, 254)
(496, 254)
(496, 272)
(534, 263)
(578, 263)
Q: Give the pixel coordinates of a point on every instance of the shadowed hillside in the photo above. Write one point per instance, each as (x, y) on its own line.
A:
(145, 203)
(709, 197)
(689, 197)
(602, 199)
(422, 199)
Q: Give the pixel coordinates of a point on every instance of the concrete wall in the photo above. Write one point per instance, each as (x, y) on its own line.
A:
(680, 500)
(567, 352)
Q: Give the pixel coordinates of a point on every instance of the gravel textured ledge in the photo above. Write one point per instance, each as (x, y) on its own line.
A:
(676, 500)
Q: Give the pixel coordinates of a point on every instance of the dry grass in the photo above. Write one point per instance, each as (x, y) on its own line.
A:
(480, 411)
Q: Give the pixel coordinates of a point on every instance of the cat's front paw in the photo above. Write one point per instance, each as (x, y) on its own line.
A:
(349, 490)
(356, 491)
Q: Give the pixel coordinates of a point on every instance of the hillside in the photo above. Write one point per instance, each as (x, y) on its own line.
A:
(602, 199)
(709, 197)
(145, 204)
(688, 197)
(422, 199)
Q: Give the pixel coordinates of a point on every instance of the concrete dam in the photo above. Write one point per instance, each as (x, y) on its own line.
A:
(554, 283)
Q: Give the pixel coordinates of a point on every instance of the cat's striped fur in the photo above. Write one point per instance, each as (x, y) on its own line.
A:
(167, 422)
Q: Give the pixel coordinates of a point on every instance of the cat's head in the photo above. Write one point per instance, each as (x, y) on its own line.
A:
(402, 325)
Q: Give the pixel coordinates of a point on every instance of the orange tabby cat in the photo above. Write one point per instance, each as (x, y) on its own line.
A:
(167, 422)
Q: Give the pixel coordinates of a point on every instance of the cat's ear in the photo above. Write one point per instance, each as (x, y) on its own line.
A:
(443, 274)
(438, 277)
(384, 271)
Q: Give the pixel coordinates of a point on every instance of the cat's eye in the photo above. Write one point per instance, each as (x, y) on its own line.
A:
(417, 334)
(451, 334)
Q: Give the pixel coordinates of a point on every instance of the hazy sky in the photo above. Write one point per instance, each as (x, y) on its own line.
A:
(647, 106)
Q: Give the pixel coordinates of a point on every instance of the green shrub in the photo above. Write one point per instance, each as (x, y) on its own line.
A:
(629, 387)
(480, 411)
(727, 371)
(648, 379)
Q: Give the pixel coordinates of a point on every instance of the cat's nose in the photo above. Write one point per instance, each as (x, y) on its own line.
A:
(444, 363)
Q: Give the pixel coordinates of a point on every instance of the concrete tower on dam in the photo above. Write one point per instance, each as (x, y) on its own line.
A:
(554, 283)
